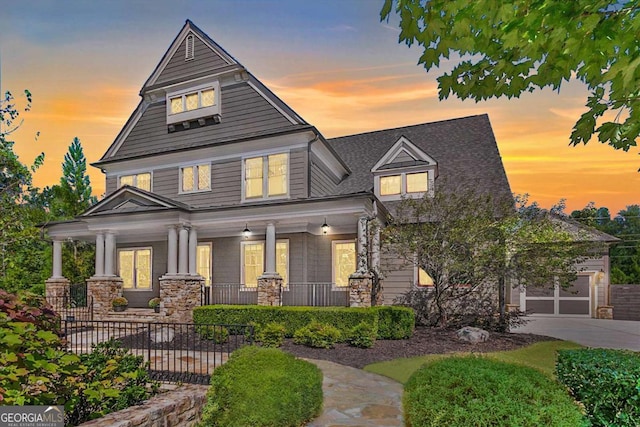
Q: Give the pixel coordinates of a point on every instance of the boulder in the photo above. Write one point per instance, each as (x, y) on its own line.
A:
(472, 335)
(162, 335)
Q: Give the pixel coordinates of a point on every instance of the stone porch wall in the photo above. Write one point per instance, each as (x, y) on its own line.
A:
(179, 295)
(103, 290)
(179, 407)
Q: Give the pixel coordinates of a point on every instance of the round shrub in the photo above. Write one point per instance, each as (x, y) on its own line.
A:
(272, 334)
(216, 333)
(263, 387)
(363, 335)
(318, 335)
(475, 391)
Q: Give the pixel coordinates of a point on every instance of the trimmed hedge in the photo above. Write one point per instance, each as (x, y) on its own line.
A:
(263, 387)
(389, 322)
(475, 391)
(606, 382)
(293, 318)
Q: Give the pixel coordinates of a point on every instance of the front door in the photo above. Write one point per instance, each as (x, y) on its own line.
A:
(135, 269)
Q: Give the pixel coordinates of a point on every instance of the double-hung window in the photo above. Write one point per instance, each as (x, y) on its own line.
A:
(139, 180)
(252, 264)
(266, 176)
(343, 254)
(135, 268)
(195, 178)
(404, 183)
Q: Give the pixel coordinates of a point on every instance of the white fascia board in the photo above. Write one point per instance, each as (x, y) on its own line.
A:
(322, 152)
(400, 145)
(211, 154)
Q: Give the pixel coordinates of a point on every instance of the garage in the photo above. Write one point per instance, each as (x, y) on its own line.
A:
(554, 301)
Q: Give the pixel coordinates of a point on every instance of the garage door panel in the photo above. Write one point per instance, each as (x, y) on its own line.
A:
(573, 307)
(540, 292)
(540, 306)
(580, 288)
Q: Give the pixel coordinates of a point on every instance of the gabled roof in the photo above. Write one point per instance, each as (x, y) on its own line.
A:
(132, 199)
(403, 154)
(465, 149)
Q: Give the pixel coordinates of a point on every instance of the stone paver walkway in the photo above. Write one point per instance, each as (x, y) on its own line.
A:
(353, 397)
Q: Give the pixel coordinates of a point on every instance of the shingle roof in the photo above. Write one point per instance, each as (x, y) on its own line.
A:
(465, 149)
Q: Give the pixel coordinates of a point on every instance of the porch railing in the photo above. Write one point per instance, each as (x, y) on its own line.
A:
(295, 294)
(175, 352)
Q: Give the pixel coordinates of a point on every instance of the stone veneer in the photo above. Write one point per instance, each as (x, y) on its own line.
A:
(103, 290)
(179, 295)
(56, 288)
(270, 290)
(360, 290)
(604, 312)
(180, 407)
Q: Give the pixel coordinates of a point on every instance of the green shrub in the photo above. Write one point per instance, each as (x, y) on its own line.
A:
(474, 391)
(263, 387)
(606, 382)
(114, 380)
(317, 335)
(293, 318)
(395, 322)
(362, 335)
(271, 334)
(216, 333)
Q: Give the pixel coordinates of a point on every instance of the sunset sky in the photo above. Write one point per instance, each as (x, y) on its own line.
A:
(332, 61)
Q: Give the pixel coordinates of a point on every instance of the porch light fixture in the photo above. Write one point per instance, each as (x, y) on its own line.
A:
(246, 232)
(325, 227)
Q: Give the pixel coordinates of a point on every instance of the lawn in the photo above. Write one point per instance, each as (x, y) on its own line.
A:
(541, 356)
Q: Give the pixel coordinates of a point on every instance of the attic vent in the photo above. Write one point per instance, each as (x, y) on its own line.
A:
(188, 53)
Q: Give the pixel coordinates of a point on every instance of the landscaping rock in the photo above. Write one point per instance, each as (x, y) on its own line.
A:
(472, 335)
(163, 335)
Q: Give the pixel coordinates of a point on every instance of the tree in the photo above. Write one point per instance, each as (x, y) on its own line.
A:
(473, 245)
(516, 46)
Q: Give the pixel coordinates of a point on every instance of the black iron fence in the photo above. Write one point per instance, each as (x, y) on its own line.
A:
(69, 309)
(174, 352)
(295, 294)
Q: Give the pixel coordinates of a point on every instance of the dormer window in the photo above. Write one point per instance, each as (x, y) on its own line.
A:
(404, 183)
(194, 104)
(139, 180)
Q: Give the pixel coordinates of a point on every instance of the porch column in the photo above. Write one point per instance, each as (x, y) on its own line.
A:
(193, 247)
(172, 257)
(109, 254)
(99, 254)
(375, 247)
(361, 246)
(57, 259)
(183, 263)
(270, 267)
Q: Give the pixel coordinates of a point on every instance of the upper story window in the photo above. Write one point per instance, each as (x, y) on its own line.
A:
(404, 183)
(140, 180)
(195, 103)
(266, 176)
(195, 178)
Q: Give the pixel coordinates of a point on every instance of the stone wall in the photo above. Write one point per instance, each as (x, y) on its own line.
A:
(360, 290)
(179, 295)
(56, 289)
(625, 300)
(270, 290)
(103, 290)
(180, 407)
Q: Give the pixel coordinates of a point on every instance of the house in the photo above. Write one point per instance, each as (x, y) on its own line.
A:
(215, 182)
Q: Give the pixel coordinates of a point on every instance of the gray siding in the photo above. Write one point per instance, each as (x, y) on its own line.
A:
(398, 276)
(244, 113)
(323, 264)
(298, 167)
(159, 268)
(204, 59)
(111, 185)
(321, 183)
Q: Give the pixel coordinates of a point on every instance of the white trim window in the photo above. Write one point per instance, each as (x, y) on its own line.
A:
(252, 255)
(265, 176)
(203, 262)
(193, 103)
(405, 183)
(139, 180)
(422, 278)
(135, 268)
(195, 178)
(343, 261)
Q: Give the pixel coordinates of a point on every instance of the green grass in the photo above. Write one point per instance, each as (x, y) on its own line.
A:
(540, 356)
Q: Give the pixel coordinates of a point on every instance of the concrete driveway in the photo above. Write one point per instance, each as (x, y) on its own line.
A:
(588, 332)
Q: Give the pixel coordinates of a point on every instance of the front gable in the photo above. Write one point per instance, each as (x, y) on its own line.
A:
(130, 199)
(403, 154)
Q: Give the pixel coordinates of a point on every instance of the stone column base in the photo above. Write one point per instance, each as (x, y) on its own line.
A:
(55, 290)
(102, 290)
(270, 290)
(511, 308)
(179, 295)
(604, 312)
(360, 290)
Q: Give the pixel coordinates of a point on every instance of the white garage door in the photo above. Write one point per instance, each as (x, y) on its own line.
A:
(575, 301)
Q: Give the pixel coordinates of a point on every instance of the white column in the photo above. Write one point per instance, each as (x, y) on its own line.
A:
(99, 254)
(183, 263)
(270, 265)
(172, 257)
(57, 259)
(375, 247)
(193, 247)
(109, 254)
(361, 245)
